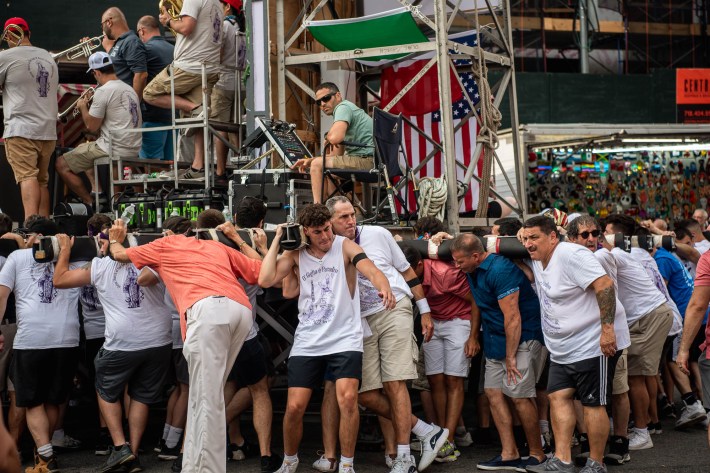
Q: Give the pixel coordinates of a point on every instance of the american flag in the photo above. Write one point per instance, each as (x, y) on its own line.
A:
(417, 148)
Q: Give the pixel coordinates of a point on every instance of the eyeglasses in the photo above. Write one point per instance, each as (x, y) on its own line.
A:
(594, 233)
(106, 21)
(325, 98)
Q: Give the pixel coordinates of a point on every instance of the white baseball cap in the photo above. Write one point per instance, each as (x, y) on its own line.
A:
(98, 60)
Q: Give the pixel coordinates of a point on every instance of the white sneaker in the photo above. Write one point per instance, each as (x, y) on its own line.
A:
(287, 467)
(431, 444)
(639, 439)
(690, 415)
(404, 464)
(389, 461)
(326, 465)
(464, 440)
(345, 468)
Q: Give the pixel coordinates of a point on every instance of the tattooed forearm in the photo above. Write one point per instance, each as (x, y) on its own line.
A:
(607, 304)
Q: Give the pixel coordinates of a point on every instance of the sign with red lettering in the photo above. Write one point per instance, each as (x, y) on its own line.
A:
(692, 95)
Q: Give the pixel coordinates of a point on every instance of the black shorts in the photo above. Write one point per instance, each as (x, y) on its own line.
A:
(667, 352)
(91, 349)
(180, 373)
(250, 366)
(694, 352)
(43, 376)
(592, 379)
(544, 376)
(308, 371)
(143, 371)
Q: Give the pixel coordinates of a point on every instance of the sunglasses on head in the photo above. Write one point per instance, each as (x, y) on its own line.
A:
(594, 233)
(325, 98)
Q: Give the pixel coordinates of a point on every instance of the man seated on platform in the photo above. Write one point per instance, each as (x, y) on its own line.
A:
(351, 125)
(115, 106)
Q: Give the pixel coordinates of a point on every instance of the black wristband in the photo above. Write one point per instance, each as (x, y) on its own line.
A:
(414, 282)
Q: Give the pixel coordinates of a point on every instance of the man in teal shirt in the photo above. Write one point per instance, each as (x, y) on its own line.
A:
(350, 124)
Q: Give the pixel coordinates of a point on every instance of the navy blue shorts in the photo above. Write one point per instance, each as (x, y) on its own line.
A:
(309, 371)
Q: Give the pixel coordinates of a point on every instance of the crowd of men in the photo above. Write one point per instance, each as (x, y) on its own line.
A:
(582, 337)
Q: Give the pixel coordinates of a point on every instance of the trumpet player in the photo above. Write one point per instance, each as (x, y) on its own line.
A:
(29, 79)
(198, 29)
(115, 107)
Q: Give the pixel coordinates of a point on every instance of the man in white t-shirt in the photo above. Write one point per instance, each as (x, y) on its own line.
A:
(584, 329)
(329, 333)
(29, 78)
(198, 32)
(390, 352)
(137, 349)
(115, 107)
(45, 349)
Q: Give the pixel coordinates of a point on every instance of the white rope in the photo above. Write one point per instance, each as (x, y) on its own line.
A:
(432, 197)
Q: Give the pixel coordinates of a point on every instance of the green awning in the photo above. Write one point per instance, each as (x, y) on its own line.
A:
(390, 28)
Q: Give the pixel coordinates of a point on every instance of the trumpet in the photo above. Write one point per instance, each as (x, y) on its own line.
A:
(73, 109)
(82, 49)
(172, 7)
(13, 34)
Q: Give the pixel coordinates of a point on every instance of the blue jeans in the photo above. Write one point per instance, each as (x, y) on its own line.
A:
(157, 144)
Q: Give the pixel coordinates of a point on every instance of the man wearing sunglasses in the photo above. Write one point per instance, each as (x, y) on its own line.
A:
(351, 125)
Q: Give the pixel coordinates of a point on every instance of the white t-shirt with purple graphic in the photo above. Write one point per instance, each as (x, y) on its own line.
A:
(118, 105)
(205, 41)
(47, 317)
(92, 312)
(136, 317)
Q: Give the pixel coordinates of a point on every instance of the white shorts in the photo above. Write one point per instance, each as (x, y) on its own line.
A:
(444, 353)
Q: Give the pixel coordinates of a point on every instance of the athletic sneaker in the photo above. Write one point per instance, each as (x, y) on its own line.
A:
(269, 464)
(639, 439)
(104, 444)
(448, 453)
(240, 452)
(167, 453)
(118, 457)
(66, 442)
(133, 466)
(593, 467)
(431, 444)
(190, 173)
(346, 468)
(690, 415)
(176, 467)
(159, 448)
(43, 465)
(326, 465)
(288, 467)
(618, 451)
(655, 428)
(497, 464)
(524, 463)
(551, 464)
(463, 440)
(404, 464)
(389, 460)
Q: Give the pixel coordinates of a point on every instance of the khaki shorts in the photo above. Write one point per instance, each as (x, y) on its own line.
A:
(82, 157)
(221, 105)
(9, 331)
(347, 161)
(29, 159)
(530, 361)
(187, 85)
(621, 375)
(647, 337)
(391, 353)
(422, 382)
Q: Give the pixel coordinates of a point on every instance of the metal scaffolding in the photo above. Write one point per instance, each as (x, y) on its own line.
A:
(447, 14)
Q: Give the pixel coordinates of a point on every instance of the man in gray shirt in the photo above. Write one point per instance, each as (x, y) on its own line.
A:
(29, 80)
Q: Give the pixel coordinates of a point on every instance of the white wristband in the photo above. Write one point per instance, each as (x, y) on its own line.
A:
(423, 306)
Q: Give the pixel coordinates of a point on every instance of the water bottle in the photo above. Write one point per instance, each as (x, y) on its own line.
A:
(128, 213)
(227, 215)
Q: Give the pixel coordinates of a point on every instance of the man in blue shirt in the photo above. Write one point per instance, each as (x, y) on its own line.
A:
(159, 54)
(515, 355)
(127, 51)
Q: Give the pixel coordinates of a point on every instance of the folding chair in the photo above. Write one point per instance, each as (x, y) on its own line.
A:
(387, 135)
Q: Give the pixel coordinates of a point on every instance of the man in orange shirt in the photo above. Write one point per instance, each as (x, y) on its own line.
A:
(217, 318)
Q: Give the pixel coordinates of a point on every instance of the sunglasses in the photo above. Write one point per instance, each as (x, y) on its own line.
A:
(325, 98)
(594, 233)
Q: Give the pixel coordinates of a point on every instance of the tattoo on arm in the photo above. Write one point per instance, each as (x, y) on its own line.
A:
(607, 304)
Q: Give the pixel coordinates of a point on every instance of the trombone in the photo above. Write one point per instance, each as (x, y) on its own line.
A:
(13, 34)
(82, 49)
(73, 109)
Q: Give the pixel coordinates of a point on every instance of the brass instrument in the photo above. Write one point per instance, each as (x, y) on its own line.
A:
(13, 34)
(73, 109)
(172, 7)
(82, 49)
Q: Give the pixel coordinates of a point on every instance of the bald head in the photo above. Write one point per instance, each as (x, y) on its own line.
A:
(147, 28)
(113, 23)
